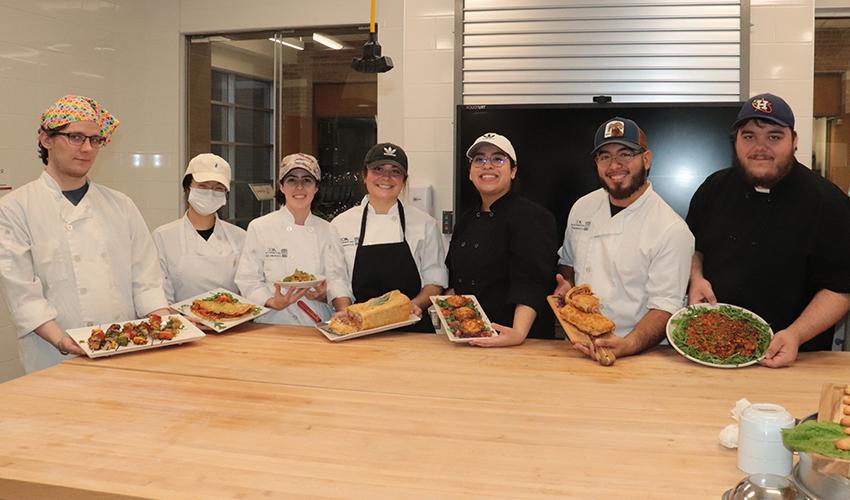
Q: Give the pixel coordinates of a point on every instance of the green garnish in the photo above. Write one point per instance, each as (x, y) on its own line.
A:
(679, 335)
(816, 437)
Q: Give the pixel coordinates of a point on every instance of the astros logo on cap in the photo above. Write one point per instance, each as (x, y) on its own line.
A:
(389, 151)
(762, 105)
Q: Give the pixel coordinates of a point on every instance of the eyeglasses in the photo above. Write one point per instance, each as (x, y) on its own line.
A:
(76, 139)
(496, 160)
(381, 171)
(294, 182)
(624, 156)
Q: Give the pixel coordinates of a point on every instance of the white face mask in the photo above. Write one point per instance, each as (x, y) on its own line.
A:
(206, 201)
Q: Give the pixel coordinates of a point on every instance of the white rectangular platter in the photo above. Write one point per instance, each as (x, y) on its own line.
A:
(436, 299)
(188, 333)
(184, 307)
(335, 337)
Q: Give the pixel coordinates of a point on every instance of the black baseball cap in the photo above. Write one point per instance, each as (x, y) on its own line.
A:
(766, 107)
(619, 130)
(386, 152)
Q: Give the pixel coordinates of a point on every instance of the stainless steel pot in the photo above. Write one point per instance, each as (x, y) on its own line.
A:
(821, 477)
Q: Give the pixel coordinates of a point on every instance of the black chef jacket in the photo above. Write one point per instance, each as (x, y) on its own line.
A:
(505, 257)
(771, 252)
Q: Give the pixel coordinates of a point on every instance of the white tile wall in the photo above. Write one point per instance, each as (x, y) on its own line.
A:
(782, 60)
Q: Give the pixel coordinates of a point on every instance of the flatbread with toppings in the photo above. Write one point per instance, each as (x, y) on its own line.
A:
(221, 306)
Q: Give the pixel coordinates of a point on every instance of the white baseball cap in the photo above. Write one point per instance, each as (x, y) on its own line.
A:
(300, 160)
(495, 139)
(209, 167)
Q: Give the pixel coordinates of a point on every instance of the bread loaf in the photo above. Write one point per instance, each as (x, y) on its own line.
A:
(391, 307)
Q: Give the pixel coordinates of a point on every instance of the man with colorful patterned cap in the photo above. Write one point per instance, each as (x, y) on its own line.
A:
(772, 236)
(627, 244)
(73, 253)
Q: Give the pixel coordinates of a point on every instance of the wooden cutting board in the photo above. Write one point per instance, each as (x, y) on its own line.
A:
(832, 405)
(576, 336)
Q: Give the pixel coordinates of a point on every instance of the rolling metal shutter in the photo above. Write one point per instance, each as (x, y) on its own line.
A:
(533, 51)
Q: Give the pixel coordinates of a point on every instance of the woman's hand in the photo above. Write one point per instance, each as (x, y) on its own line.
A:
(318, 292)
(280, 301)
(507, 337)
(415, 309)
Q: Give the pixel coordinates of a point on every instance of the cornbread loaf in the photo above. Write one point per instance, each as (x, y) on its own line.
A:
(391, 307)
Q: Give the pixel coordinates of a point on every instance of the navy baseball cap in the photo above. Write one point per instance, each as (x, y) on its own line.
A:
(619, 131)
(766, 107)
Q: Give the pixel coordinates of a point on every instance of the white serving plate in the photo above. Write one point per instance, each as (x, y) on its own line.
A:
(445, 323)
(683, 310)
(335, 337)
(188, 333)
(184, 307)
(302, 284)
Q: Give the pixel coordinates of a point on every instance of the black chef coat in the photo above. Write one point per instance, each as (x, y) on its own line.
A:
(772, 252)
(505, 257)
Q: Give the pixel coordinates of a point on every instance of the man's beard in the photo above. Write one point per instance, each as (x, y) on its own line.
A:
(769, 180)
(629, 189)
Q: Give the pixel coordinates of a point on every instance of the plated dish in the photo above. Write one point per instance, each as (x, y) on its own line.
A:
(338, 337)
(220, 309)
(117, 338)
(719, 335)
(462, 317)
(301, 279)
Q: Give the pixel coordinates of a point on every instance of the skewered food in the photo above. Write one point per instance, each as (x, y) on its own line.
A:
(391, 307)
(139, 333)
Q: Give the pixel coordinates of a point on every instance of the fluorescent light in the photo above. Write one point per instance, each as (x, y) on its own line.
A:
(289, 42)
(327, 41)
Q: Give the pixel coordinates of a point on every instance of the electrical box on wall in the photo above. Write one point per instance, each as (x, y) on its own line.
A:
(422, 197)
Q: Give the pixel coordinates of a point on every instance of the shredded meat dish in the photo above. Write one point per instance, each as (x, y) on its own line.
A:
(722, 336)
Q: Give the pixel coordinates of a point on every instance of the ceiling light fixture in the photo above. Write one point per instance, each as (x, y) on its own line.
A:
(327, 41)
(289, 42)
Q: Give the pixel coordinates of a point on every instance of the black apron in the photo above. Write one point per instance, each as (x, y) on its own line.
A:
(384, 267)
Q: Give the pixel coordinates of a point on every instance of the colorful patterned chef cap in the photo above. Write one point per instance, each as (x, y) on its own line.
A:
(76, 108)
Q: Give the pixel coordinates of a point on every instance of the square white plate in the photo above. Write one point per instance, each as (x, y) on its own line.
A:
(184, 307)
(335, 337)
(188, 333)
(449, 333)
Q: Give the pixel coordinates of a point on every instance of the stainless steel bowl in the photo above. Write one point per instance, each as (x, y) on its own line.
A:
(763, 487)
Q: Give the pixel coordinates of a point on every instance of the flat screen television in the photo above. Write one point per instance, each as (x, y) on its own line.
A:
(689, 141)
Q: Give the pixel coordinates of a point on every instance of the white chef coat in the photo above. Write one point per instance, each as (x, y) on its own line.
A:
(422, 234)
(79, 265)
(275, 247)
(192, 265)
(640, 259)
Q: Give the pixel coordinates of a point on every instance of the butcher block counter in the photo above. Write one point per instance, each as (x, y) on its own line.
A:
(280, 412)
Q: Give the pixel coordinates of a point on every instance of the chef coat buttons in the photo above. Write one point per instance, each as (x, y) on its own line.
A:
(77, 258)
(289, 228)
(68, 227)
(310, 229)
(472, 283)
(490, 215)
(460, 280)
(462, 244)
(477, 215)
(89, 323)
(475, 245)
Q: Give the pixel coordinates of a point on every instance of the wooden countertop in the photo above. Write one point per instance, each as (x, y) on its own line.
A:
(282, 412)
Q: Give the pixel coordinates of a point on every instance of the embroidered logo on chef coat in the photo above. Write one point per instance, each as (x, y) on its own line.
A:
(389, 151)
(580, 225)
(276, 253)
(348, 242)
